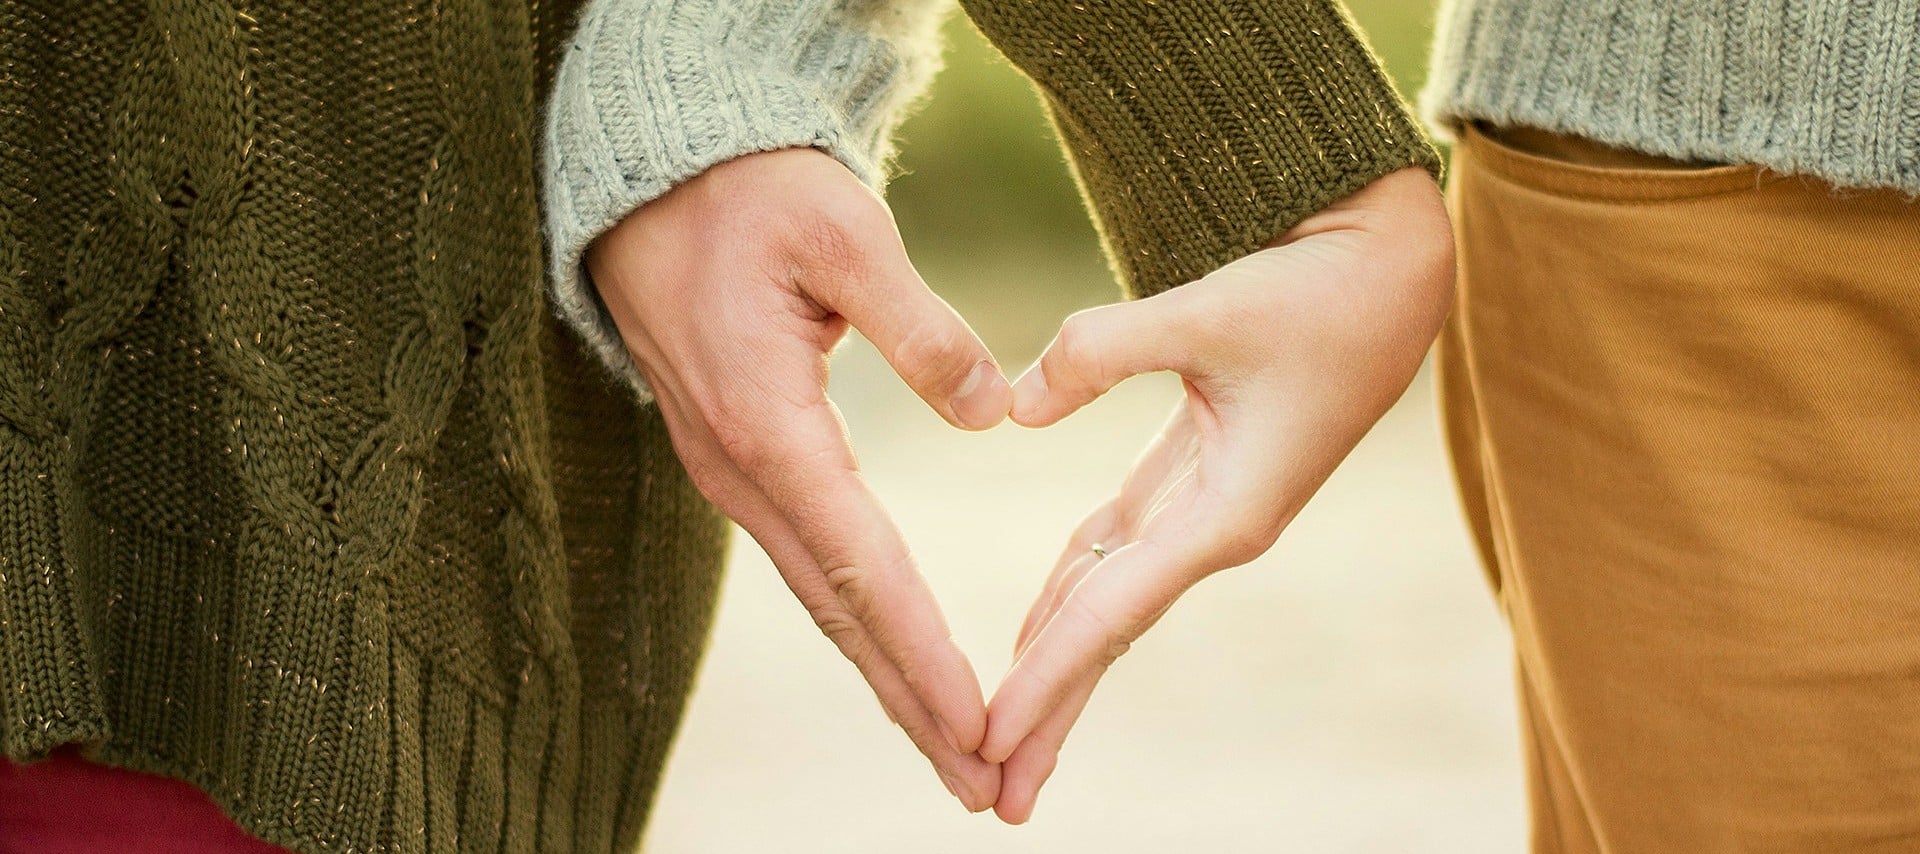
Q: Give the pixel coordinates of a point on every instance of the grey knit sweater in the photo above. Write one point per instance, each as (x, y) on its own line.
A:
(1829, 88)
(652, 92)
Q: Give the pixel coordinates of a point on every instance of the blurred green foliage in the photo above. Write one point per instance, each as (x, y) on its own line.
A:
(988, 207)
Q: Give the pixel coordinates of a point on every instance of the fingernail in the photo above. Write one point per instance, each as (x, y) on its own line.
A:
(953, 786)
(980, 400)
(1028, 394)
(947, 732)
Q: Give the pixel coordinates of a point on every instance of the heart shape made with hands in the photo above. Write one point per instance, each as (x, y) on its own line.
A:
(732, 290)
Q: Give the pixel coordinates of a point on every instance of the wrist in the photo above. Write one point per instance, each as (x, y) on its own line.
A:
(1404, 203)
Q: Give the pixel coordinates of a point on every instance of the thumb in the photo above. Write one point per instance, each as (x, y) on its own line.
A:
(1098, 347)
(928, 344)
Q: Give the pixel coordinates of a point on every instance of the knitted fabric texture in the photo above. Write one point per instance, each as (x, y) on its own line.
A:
(310, 497)
(1198, 130)
(305, 496)
(652, 92)
(1817, 87)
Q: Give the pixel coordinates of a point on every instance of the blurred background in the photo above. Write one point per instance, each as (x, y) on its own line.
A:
(1348, 692)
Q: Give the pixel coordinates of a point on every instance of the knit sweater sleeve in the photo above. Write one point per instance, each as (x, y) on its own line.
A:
(1199, 130)
(650, 93)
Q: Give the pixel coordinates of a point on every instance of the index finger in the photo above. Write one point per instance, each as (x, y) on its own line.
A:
(1095, 624)
(807, 471)
(973, 780)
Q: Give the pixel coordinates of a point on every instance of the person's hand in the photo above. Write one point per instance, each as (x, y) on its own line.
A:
(1288, 356)
(730, 291)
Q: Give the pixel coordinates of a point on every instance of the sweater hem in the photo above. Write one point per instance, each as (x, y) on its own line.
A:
(1788, 87)
(1448, 121)
(471, 809)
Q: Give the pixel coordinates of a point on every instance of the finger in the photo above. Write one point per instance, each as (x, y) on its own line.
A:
(975, 782)
(1113, 524)
(1048, 601)
(1057, 595)
(972, 780)
(873, 577)
(1152, 482)
(1033, 761)
(1097, 348)
(1094, 625)
(808, 474)
(928, 344)
(1097, 527)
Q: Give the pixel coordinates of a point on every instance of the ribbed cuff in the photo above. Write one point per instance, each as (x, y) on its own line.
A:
(653, 92)
(1199, 130)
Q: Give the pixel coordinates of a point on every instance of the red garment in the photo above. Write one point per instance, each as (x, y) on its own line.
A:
(69, 805)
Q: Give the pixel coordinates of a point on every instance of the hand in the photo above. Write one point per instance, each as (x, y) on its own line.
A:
(730, 291)
(1288, 356)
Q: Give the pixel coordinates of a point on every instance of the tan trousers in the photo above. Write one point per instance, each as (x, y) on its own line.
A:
(1683, 404)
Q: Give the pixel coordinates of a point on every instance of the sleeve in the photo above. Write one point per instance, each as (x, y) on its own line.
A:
(650, 93)
(1199, 130)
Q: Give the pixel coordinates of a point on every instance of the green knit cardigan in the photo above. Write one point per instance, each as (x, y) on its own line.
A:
(307, 495)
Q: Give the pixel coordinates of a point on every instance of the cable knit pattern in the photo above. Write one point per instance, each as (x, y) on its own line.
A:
(309, 494)
(305, 496)
(653, 92)
(1829, 88)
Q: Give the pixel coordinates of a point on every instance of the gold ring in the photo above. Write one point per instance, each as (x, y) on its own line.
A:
(1098, 550)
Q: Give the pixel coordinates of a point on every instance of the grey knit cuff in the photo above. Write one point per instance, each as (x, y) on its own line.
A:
(652, 92)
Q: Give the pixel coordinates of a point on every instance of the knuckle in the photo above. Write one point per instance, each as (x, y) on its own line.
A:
(1078, 348)
(935, 354)
(1044, 681)
(1211, 320)
(840, 627)
(1245, 537)
(758, 440)
(1194, 326)
(1116, 635)
(826, 247)
(853, 586)
(911, 670)
(706, 477)
(742, 443)
(833, 239)
(795, 477)
(1239, 547)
